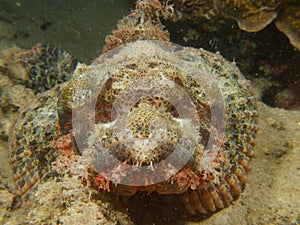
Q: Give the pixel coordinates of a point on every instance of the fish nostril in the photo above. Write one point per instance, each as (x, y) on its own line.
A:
(178, 81)
(104, 110)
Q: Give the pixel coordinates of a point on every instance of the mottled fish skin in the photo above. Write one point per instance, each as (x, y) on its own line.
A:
(46, 66)
(31, 141)
(42, 139)
(23, 74)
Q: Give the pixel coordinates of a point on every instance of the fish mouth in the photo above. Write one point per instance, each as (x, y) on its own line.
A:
(141, 162)
(142, 152)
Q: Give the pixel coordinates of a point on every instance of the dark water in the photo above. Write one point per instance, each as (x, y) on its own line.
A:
(79, 27)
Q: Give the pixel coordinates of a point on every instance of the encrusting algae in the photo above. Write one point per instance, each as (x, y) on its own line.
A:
(250, 16)
(146, 116)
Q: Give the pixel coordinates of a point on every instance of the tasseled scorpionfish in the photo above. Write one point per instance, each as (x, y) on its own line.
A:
(146, 116)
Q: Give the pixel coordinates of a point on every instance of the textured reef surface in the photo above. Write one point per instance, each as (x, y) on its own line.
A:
(251, 16)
